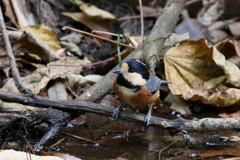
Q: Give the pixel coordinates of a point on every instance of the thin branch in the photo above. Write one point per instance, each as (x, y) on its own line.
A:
(15, 72)
(142, 24)
(83, 65)
(93, 35)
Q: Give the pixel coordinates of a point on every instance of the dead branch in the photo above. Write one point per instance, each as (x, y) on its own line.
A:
(15, 72)
(148, 51)
(209, 124)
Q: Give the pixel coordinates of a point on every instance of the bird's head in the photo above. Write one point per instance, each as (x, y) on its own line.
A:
(134, 71)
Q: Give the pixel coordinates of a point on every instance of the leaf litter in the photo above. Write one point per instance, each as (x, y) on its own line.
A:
(198, 72)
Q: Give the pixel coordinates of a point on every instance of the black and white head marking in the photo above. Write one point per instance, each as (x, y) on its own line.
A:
(136, 66)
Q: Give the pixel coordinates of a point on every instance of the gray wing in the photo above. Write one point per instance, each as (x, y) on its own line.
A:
(153, 84)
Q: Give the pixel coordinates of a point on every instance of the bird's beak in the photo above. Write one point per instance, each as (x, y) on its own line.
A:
(164, 82)
(118, 71)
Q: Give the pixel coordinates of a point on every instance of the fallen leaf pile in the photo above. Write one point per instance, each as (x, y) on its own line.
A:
(40, 78)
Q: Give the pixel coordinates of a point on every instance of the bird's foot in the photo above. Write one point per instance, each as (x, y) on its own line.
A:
(116, 112)
(148, 117)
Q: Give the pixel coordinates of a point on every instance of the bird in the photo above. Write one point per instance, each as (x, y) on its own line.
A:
(138, 86)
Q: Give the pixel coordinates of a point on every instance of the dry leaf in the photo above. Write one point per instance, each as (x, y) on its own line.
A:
(189, 65)
(218, 35)
(93, 11)
(17, 155)
(72, 47)
(229, 112)
(178, 104)
(91, 22)
(218, 25)
(84, 79)
(72, 37)
(18, 10)
(234, 28)
(57, 91)
(5, 64)
(199, 72)
(220, 96)
(40, 78)
(211, 11)
(45, 34)
(228, 48)
(27, 42)
(147, 10)
(174, 39)
(10, 12)
(79, 120)
(96, 12)
(195, 29)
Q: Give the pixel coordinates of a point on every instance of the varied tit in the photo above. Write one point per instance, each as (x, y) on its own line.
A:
(137, 85)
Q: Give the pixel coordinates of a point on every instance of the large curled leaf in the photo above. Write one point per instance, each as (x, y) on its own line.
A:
(189, 65)
(200, 72)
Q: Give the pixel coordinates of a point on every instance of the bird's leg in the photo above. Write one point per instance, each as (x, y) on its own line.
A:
(116, 112)
(148, 116)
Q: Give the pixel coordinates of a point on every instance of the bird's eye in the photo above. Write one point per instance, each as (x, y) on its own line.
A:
(131, 70)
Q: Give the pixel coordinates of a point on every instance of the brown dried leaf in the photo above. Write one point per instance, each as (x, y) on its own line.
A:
(93, 11)
(195, 29)
(40, 78)
(147, 9)
(228, 48)
(17, 155)
(220, 96)
(212, 10)
(10, 12)
(79, 120)
(45, 34)
(218, 35)
(234, 28)
(178, 104)
(199, 72)
(57, 91)
(29, 43)
(91, 22)
(189, 65)
(229, 112)
(19, 8)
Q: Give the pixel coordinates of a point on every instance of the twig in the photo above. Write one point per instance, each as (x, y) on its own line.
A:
(83, 65)
(29, 145)
(57, 143)
(75, 136)
(191, 1)
(15, 72)
(113, 34)
(142, 24)
(164, 148)
(8, 48)
(93, 35)
(139, 16)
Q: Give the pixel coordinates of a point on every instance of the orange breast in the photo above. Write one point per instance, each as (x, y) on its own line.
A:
(142, 98)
